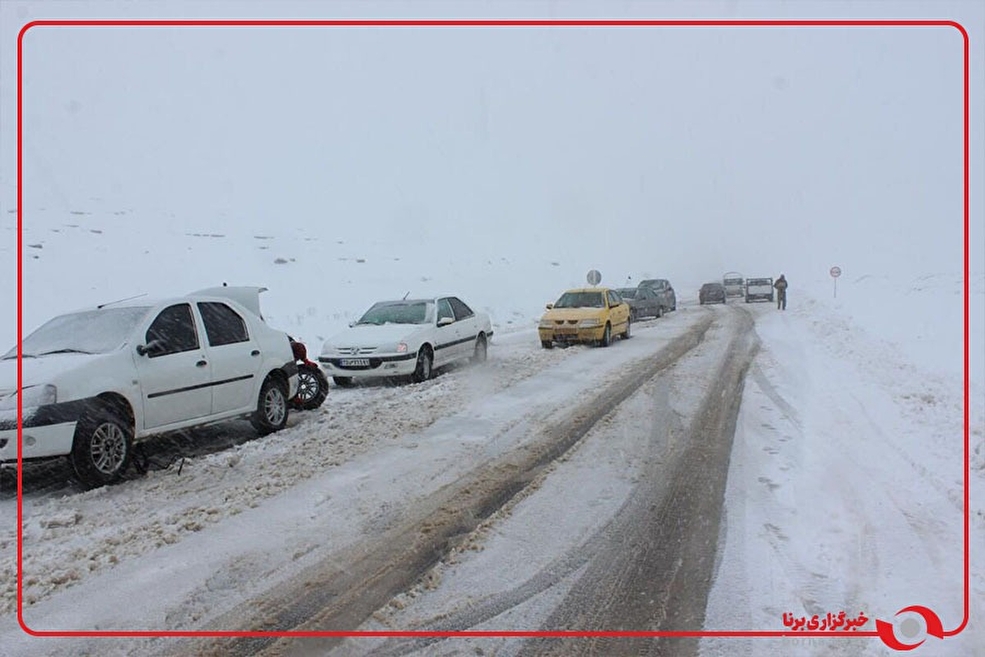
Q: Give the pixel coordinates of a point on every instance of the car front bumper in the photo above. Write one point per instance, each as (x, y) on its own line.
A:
(377, 366)
(39, 441)
(572, 334)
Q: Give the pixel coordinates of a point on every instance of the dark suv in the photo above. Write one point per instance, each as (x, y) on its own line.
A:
(663, 290)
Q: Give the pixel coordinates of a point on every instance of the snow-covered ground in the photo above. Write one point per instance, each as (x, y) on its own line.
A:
(845, 493)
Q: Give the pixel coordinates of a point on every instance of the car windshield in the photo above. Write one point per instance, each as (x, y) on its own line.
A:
(580, 300)
(398, 312)
(627, 292)
(88, 332)
(733, 281)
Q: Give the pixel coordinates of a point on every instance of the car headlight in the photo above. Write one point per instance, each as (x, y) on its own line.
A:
(546, 323)
(589, 323)
(401, 347)
(328, 350)
(31, 396)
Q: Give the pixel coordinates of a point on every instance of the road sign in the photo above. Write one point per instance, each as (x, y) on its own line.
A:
(594, 277)
(835, 273)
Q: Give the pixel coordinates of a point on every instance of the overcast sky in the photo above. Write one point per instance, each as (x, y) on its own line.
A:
(700, 149)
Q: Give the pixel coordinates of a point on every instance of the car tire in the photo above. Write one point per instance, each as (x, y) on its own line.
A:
(660, 312)
(102, 448)
(342, 381)
(425, 362)
(312, 388)
(480, 353)
(628, 333)
(606, 335)
(546, 344)
(271, 412)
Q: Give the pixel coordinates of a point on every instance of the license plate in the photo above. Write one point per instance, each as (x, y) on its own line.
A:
(354, 362)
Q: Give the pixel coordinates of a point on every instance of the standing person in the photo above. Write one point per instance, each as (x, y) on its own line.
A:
(781, 293)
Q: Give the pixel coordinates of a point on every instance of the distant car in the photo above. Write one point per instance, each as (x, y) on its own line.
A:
(664, 291)
(759, 289)
(712, 293)
(98, 380)
(643, 302)
(409, 337)
(735, 284)
(591, 315)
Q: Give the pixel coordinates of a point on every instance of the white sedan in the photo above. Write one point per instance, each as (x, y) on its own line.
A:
(97, 380)
(409, 337)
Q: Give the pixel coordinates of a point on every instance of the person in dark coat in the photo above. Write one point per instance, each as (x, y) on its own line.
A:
(781, 292)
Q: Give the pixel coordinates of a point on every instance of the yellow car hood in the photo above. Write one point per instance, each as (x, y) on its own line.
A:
(559, 314)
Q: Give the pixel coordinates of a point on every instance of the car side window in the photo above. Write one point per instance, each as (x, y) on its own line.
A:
(444, 309)
(174, 329)
(614, 298)
(223, 325)
(462, 311)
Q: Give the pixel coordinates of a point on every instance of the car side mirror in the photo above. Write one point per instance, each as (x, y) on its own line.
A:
(549, 306)
(152, 348)
(445, 321)
(351, 324)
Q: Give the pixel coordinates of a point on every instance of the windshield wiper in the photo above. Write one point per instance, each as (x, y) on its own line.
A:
(65, 351)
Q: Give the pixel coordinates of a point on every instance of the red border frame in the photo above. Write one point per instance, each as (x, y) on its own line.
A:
(496, 23)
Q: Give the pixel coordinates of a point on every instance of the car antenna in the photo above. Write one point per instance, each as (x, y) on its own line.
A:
(406, 295)
(109, 303)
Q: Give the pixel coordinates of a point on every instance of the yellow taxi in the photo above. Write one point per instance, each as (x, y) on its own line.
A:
(591, 314)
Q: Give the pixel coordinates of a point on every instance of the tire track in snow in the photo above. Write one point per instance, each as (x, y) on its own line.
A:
(343, 593)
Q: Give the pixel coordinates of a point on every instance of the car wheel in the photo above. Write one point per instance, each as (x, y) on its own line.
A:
(312, 388)
(607, 335)
(628, 333)
(424, 362)
(102, 447)
(546, 344)
(660, 312)
(480, 353)
(342, 381)
(271, 412)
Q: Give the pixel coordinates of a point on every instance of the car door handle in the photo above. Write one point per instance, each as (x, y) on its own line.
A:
(255, 352)
(201, 363)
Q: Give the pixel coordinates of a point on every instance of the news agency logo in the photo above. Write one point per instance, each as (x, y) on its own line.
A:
(909, 630)
(912, 627)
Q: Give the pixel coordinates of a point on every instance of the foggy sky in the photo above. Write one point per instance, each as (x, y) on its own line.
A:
(679, 150)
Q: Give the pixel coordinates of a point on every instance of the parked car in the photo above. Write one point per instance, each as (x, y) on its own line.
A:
(98, 380)
(759, 289)
(712, 293)
(664, 291)
(735, 284)
(643, 302)
(409, 337)
(590, 315)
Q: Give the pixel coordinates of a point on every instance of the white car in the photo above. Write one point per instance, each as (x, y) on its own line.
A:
(410, 337)
(96, 381)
